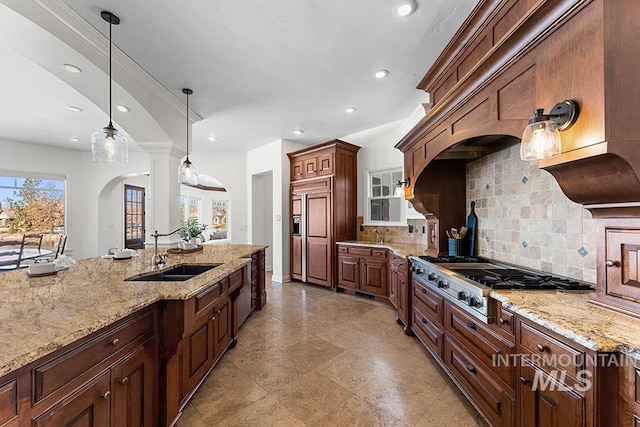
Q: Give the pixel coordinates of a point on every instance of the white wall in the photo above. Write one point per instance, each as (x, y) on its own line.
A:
(377, 152)
(262, 214)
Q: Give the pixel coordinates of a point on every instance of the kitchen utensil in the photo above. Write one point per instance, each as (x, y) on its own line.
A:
(454, 233)
(472, 224)
(449, 234)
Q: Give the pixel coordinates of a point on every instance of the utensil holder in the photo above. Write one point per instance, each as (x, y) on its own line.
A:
(456, 247)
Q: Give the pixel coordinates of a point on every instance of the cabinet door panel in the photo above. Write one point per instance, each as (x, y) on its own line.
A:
(89, 407)
(374, 277)
(623, 248)
(319, 239)
(223, 324)
(310, 167)
(403, 296)
(296, 257)
(393, 286)
(132, 387)
(296, 170)
(198, 354)
(325, 164)
(348, 272)
(546, 402)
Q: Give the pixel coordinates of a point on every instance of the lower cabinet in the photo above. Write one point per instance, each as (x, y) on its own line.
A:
(108, 379)
(363, 269)
(399, 288)
(258, 291)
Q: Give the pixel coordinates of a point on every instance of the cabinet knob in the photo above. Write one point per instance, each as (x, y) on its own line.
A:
(612, 263)
(540, 347)
(124, 380)
(213, 318)
(106, 395)
(423, 290)
(115, 342)
(523, 380)
(471, 324)
(471, 368)
(503, 321)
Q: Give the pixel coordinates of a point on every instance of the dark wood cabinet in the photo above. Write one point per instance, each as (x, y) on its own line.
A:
(547, 402)
(399, 289)
(363, 269)
(323, 201)
(258, 290)
(88, 406)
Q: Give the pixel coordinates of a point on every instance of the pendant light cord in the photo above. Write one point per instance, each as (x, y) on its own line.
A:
(187, 126)
(110, 100)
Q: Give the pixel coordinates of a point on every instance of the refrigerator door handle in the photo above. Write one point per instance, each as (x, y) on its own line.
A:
(303, 233)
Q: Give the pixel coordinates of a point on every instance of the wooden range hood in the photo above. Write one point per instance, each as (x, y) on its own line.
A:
(511, 57)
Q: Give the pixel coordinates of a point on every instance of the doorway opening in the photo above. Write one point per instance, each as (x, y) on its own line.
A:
(134, 230)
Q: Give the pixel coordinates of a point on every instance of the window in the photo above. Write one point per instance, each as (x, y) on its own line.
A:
(383, 207)
(190, 207)
(219, 210)
(32, 204)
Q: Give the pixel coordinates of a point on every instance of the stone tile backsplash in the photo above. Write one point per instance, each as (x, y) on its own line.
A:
(394, 234)
(524, 218)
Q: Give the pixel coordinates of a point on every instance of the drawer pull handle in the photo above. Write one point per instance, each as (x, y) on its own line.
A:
(523, 380)
(423, 320)
(471, 368)
(612, 263)
(471, 324)
(106, 395)
(115, 342)
(124, 380)
(503, 321)
(423, 290)
(541, 348)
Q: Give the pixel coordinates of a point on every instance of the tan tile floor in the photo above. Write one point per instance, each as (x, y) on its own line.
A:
(313, 357)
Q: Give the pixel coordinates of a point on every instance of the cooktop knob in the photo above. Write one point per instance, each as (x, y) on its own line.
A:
(475, 302)
(443, 284)
(419, 270)
(463, 295)
(432, 277)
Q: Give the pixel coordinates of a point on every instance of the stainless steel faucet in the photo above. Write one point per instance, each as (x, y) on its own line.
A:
(159, 259)
(378, 239)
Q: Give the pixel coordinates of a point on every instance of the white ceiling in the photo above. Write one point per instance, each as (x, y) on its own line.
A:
(259, 69)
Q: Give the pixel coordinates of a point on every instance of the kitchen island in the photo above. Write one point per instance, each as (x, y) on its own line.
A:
(66, 316)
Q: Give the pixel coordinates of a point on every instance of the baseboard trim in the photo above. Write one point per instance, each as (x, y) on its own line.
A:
(281, 279)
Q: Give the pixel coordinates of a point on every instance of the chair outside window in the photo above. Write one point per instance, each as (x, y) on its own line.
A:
(32, 241)
(59, 251)
(10, 254)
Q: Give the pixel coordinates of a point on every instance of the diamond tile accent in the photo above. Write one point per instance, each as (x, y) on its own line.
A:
(487, 186)
(525, 244)
(582, 251)
(524, 179)
(488, 239)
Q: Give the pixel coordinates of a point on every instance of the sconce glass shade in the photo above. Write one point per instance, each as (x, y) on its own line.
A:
(188, 173)
(399, 191)
(540, 140)
(108, 146)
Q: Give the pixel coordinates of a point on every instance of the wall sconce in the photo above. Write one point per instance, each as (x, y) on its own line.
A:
(399, 191)
(541, 138)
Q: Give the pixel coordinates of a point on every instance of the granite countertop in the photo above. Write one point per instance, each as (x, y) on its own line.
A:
(570, 314)
(42, 314)
(402, 249)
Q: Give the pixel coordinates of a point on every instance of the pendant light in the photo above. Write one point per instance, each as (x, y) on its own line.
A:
(188, 173)
(108, 146)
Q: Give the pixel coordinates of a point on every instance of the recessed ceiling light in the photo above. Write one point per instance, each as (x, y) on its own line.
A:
(74, 139)
(74, 108)
(350, 109)
(381, 74)
(72, 68)
(122, 108)
(404, 8)
(298, 132)
(213, 138)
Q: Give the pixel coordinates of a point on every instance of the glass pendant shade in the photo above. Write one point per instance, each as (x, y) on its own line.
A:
(108, 146)
(188, 173)
(540, 140)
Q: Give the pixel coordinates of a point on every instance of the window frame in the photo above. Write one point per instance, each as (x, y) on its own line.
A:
(368, 197)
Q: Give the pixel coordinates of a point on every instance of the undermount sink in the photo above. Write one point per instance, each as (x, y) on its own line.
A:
(179, 273)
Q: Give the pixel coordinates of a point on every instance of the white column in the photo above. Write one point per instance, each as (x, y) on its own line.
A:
(163, 198)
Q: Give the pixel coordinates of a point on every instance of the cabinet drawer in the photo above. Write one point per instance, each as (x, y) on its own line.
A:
(548, 353)
(400, 262)
(206, 298)
(8, 401)
(507, 322)
(343, 250)
(487, 347)
(489, 398)
(51, 376)
(359, 251)
(428, 301)
(379, 253)
(429, 333)
(236, 279)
